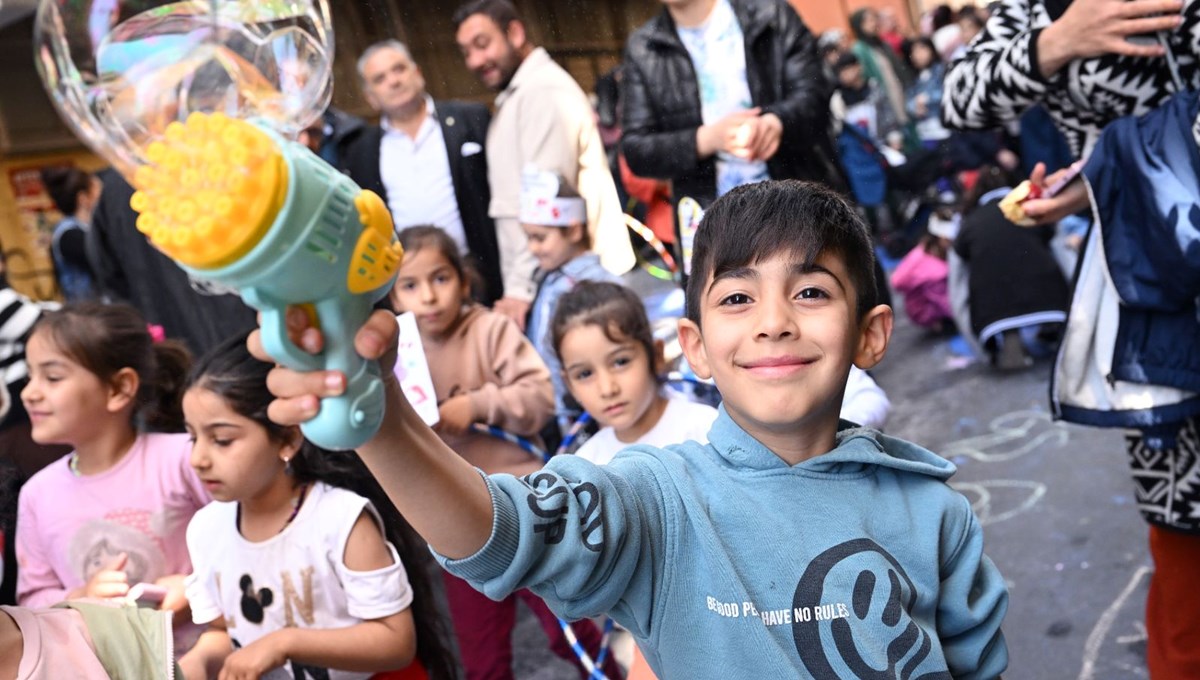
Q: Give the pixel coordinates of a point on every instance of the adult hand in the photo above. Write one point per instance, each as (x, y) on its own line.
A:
(257, 658)
(109, 582)
(297, 393)
(1091, 28)
(1069, 201)
(454, 415)
(727, 134)
(762, 138)
(513, 308)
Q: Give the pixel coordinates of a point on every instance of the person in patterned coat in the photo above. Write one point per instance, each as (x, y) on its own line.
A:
(1090, 62)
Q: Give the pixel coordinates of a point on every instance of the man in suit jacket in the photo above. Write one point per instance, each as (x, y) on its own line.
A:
(426, 158)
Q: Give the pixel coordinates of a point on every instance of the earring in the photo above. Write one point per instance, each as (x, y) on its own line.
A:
(287, 465)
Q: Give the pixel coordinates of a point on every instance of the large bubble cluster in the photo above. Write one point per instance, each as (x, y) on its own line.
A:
(121, 72)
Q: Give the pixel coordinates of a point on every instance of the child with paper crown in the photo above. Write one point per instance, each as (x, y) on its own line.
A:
(554, 219)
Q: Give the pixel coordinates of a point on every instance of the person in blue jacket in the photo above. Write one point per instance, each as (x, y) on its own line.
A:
(791, 545)
(1131, 355)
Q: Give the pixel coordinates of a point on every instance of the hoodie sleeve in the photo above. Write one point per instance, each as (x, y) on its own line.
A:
(587, 539)
(972, 602)
(521, 398)
(998, 77)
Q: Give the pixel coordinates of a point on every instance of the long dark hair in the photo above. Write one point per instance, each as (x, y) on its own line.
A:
(107, 338)
(232, 373)
(64, 184)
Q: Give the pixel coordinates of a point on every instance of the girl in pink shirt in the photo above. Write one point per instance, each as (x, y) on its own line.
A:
(113, 513)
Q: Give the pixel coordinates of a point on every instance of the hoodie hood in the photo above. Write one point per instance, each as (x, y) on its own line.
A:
(858, 450)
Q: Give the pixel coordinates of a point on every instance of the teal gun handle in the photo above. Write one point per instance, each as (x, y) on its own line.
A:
(350, 420)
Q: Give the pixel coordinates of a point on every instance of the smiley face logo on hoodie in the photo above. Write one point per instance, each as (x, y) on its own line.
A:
(872, 635)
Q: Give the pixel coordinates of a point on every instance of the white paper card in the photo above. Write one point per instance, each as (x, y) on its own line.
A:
(412, 370)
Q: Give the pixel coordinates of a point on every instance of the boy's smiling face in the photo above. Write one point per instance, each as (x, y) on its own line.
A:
(779, 338)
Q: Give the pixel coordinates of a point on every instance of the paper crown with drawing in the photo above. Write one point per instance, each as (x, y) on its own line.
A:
(541, 205)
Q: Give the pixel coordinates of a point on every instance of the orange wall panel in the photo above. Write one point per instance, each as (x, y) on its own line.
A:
(822, 15)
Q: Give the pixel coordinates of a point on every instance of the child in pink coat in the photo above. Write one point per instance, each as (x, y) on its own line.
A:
(922, 276)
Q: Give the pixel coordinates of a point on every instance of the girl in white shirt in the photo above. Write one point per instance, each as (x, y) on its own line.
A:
(296, 575)
(612, 366)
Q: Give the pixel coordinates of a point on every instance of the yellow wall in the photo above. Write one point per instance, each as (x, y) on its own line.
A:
(24, 233)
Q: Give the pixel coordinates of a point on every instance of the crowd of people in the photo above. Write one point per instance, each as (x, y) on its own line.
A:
(206, 538)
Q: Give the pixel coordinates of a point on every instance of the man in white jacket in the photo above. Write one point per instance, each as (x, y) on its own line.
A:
(543, 119)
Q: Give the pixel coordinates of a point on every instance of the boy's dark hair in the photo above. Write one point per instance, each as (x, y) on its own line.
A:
(416, 238)
(906, 50)
(756, 221)
(240, 379)
(845, 61)
(970, 14)
(616, 309)
(988, 179)
(64, 184)
(500, 11)
(107, 338)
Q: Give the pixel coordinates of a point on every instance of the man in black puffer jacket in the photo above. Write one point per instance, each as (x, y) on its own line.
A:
(763, 110)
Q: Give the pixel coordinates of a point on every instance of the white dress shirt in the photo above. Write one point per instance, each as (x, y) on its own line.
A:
(416, 176)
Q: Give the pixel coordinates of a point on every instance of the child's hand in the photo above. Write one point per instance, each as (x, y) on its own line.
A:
(109, 582)
(257, 658)
(176, 599)
(454, 415)
(298, 393)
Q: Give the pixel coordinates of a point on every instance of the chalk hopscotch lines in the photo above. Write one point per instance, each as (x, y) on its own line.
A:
(1095, 639)
(1010, 436)
(984, 506)
(1008, 429)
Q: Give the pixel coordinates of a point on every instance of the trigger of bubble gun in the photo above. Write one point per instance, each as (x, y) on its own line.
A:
(234, 203)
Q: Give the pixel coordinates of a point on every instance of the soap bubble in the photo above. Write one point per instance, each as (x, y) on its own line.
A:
(120, 71)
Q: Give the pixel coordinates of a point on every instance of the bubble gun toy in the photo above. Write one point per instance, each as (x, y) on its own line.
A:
(234, 203)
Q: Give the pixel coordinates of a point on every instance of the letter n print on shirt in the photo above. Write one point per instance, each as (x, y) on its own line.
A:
(293, 601)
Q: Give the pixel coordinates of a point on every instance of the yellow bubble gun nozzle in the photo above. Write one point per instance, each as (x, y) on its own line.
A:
(234, 203)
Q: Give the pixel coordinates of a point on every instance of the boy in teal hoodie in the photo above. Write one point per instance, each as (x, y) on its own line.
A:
(790, 545)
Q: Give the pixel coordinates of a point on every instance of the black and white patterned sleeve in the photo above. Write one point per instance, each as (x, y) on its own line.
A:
(998, 78)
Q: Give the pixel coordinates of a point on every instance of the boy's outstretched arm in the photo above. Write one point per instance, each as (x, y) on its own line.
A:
(972, 602)
(444, 498)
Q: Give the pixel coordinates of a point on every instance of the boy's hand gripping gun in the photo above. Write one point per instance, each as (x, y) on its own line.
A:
(234, 203)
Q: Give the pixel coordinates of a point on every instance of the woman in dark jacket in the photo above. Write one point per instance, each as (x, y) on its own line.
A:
(662, 110)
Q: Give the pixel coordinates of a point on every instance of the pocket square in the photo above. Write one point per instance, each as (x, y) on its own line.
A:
(470, 149)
